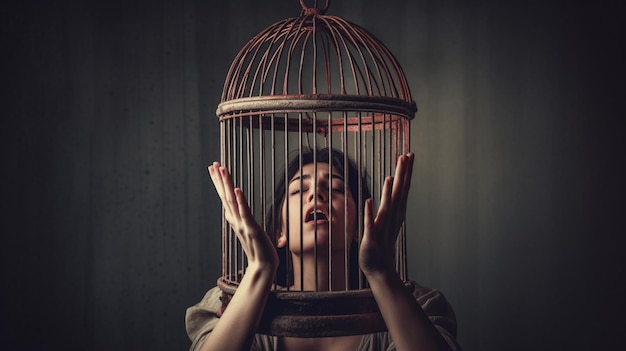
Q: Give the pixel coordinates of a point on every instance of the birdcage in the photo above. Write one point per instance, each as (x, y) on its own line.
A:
(306, 90)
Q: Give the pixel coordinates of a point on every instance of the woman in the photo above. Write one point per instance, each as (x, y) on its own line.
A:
(423, 321)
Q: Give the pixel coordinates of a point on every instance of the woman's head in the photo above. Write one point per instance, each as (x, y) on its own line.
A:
(318, 197)
(319, 212)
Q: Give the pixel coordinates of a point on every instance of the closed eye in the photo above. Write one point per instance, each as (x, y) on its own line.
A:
(339, 190)
(295, 190)
(338, 185)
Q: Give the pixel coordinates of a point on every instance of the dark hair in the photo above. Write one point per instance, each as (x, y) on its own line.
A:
(357, 183)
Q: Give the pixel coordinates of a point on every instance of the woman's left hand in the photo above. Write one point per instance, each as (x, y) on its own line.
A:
(376, 253)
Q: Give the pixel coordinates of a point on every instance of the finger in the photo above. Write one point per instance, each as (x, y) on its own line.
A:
(221, 180)
(244, 210)
(369, 227)
(215, 178)
(385, 201)
(218, 182)
(407, 180)
(408, 170)
(229, 193)
(399, 177)
(405, 185)
(218, 179)
(368, 222)
(402, 182)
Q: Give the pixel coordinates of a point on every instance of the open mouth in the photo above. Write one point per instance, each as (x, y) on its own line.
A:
(316, 216)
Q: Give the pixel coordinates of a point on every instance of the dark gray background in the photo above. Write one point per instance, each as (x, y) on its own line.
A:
(109, 216)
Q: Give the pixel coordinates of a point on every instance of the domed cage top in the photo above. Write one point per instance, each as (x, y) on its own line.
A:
(310, 90)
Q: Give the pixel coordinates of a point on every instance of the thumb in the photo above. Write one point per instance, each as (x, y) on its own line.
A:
(368, 221)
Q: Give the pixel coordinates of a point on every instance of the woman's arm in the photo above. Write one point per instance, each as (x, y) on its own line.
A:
(236, 328)
(409, 326)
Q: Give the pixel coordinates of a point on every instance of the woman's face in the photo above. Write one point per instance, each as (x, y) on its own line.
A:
(312, 208)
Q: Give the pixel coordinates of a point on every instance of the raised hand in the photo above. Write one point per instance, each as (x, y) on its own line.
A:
(255, 243)
(376, 253)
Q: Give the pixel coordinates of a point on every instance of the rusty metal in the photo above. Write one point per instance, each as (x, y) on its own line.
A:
(314, 314)
(311, 82)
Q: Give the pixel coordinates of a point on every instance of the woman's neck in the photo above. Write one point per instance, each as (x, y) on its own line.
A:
(307, 266)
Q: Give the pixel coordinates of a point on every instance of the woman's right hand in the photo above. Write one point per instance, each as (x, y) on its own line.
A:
(237, 326)
(255, 242)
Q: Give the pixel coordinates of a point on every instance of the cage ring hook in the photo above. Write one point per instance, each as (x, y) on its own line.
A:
(314, 10)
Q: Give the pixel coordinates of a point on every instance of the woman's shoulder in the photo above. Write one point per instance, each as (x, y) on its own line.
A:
(431, 299)
(202, 317)
(439, 311)
(211, 302)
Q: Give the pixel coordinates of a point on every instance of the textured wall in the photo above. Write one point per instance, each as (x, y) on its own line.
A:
(109, 122)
